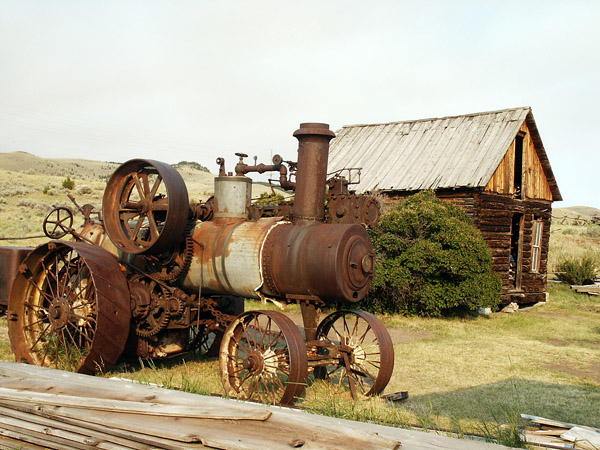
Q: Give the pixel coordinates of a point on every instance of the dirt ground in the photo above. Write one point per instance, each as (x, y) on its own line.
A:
(398, 335)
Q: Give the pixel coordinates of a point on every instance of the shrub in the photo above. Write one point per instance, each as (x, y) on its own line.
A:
(192, 165)
(593, 231)
(14, 188)
(84, 190)
(68, 183)
(577, 271)
(430, 260)
(269, 199)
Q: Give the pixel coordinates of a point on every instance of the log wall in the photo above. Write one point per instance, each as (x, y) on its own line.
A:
(493, 216)
(494, 220)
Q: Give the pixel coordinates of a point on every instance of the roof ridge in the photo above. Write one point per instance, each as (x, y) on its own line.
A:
(528, 108)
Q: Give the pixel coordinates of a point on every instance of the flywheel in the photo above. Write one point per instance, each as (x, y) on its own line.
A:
(69, 308)
(145, 207)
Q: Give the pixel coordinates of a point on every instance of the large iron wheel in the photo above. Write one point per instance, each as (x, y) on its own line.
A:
(263, 358)
(69, 308)
(366, 351)
(145, 207)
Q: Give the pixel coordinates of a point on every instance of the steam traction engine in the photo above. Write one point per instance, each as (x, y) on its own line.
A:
(155, 276)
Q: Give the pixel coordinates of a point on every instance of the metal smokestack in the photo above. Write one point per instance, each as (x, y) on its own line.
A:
(313, 152)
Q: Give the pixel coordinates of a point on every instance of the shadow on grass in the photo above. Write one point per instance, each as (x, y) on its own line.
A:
(568, 403)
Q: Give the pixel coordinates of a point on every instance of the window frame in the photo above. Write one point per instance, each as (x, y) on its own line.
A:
(536, 245)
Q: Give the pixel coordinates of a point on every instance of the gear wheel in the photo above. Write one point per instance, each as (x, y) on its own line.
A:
(176, 306)
(139, 297)
(156, 321)
(178, 264)
(153, 316)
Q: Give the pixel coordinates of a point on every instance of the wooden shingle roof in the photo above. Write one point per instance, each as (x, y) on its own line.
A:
(449, 152)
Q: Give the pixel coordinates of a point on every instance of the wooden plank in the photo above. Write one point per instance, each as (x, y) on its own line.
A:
(34, 438)
(583, 437)
(13, 444)
(124, 406)
(77, 440)
(150, 435)
(549, 432)
(553, 423)
(105, 435)
(284, 429)
(547, 441)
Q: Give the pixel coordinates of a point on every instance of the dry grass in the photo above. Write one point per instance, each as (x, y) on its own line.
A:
(570, 241)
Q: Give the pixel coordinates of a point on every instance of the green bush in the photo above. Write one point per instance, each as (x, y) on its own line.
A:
(269, 199)
(68, 183)
(577, 271)
(430, 260)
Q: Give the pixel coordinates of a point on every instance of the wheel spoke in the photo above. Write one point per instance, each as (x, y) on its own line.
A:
(138, 226)
(146, 191)
(138, 185)
(42, 292)
(153, 226)
(157, 183)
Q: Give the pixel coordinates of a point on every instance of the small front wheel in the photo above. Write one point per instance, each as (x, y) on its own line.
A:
(365, 351)
(263, 358)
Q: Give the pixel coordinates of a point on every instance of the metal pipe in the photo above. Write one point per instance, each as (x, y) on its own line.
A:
(313, 152)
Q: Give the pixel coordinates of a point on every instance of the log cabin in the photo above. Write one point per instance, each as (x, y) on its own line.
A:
(492, 164)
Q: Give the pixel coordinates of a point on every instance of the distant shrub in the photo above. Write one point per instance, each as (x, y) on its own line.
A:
(269, 199)
(46, 189)
(593, 231)
(430, 260)
(14, 188)
(28, 203)
(577, 271)
(85, 190)
(2, 201)
(192, 165)
(68, 183)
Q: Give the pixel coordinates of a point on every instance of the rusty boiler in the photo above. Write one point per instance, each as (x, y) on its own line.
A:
(152, 276)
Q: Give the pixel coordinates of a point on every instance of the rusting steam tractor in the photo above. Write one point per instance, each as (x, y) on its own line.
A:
(156, 276)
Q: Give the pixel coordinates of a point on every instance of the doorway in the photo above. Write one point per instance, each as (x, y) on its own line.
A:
(516, 243)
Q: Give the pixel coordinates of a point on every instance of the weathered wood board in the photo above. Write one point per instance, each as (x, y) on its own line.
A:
(262, 427)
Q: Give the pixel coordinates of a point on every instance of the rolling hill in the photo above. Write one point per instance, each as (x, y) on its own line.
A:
(31, 186)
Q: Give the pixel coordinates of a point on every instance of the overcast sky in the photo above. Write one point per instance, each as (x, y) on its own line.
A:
(193, 80)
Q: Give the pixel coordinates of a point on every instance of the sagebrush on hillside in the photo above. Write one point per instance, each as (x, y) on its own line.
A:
(430, 260)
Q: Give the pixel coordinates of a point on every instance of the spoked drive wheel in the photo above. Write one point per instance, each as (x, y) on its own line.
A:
(263, 358)
(366, 353)
(145, 207)
(69, 308)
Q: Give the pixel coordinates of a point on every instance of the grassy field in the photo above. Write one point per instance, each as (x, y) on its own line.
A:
(466, 375)
(462, 374)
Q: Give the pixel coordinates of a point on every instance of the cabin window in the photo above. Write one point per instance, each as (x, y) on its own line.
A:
(518, 168)
(538, 228)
